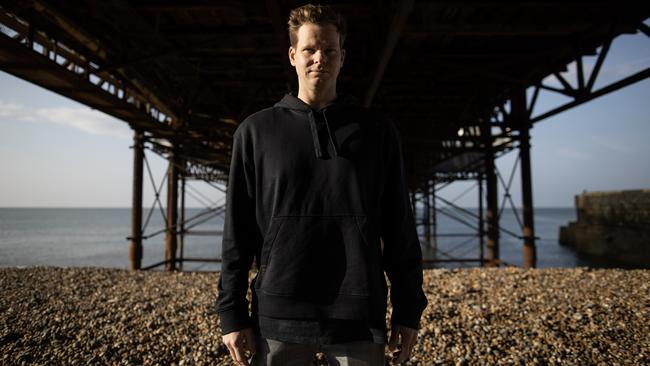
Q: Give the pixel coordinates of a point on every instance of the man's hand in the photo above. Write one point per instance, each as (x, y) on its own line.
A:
(407, 336)
(238, 343)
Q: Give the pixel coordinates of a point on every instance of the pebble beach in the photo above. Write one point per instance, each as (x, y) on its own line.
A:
(478, 316)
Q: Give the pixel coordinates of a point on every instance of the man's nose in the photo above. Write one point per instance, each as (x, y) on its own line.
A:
(319, 57)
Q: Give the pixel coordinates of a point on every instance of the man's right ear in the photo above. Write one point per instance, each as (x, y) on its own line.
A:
(292, 55)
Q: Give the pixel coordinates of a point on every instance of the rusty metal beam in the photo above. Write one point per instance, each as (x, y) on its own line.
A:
(161, 54)
(18, 60)
(598, 65)
(394, 32)
(496, 29)
(282, 41)
(78, 33)
(96, 48)
(178, 5)
(593, 95)
(644, 29)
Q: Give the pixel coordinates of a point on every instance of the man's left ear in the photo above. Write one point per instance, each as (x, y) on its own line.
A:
(342, 56)
(292, 54)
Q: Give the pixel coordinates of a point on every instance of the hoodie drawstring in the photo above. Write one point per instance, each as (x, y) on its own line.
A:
(318, 149)
(332, 137)
(314, 135)
(291, 102)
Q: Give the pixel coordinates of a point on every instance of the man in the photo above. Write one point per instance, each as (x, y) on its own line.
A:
(316, 184)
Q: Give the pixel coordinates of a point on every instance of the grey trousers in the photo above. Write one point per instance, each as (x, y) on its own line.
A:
(276, 353)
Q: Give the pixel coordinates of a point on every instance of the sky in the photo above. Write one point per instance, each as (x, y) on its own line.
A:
(55, 152)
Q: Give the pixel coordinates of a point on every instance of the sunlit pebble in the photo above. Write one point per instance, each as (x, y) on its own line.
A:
(475, 316)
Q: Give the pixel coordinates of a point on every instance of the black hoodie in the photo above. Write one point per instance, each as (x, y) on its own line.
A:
(311, 196)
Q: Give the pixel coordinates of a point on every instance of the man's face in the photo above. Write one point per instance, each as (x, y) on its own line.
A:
(317, 56)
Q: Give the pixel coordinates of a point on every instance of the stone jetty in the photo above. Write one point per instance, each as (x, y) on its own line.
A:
(613, 225)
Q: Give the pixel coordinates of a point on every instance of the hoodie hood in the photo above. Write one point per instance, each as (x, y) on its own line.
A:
(289, 101)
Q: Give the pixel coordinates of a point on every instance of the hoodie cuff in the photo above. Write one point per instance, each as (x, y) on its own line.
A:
(233, 320)
(408, 314)
(405, 320)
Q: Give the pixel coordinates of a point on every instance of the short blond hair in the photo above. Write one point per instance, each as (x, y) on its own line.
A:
(316, 14)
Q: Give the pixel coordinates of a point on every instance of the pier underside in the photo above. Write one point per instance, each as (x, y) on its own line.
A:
(460, 79)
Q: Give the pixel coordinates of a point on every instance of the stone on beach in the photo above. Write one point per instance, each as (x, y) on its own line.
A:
(575, 316)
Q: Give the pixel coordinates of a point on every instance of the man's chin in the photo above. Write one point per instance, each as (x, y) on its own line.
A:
(320, 76)
(319, 81)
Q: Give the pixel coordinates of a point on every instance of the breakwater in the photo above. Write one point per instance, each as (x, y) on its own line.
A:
(613, 225)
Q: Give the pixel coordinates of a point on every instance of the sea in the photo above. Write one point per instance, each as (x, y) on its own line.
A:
(98, 237)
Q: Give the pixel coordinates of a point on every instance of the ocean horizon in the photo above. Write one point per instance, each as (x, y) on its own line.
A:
(97, 237)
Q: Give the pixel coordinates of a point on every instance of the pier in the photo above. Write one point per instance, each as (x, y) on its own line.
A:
(461, 80)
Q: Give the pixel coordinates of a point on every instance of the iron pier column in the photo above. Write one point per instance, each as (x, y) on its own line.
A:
(181, 223)
(522, 121)
(481, 225)
(492, 200)
(172, 213)
(434, 222)
(136, 204)
(426, 221)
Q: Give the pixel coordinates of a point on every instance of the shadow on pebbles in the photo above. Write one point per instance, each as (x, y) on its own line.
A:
(481, 316)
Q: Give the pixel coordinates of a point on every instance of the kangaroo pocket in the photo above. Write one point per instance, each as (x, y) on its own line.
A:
(315, 258)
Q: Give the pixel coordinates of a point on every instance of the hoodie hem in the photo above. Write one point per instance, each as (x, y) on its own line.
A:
(344, 307)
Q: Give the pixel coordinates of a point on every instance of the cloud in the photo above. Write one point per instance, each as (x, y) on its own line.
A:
(573, 154)
(612, 145)
(628, 68)
(9, 109)
(84, 119)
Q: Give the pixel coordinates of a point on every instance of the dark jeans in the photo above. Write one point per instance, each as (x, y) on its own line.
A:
(276, 353)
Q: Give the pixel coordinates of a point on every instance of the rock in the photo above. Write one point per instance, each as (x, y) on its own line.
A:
(478, 316)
